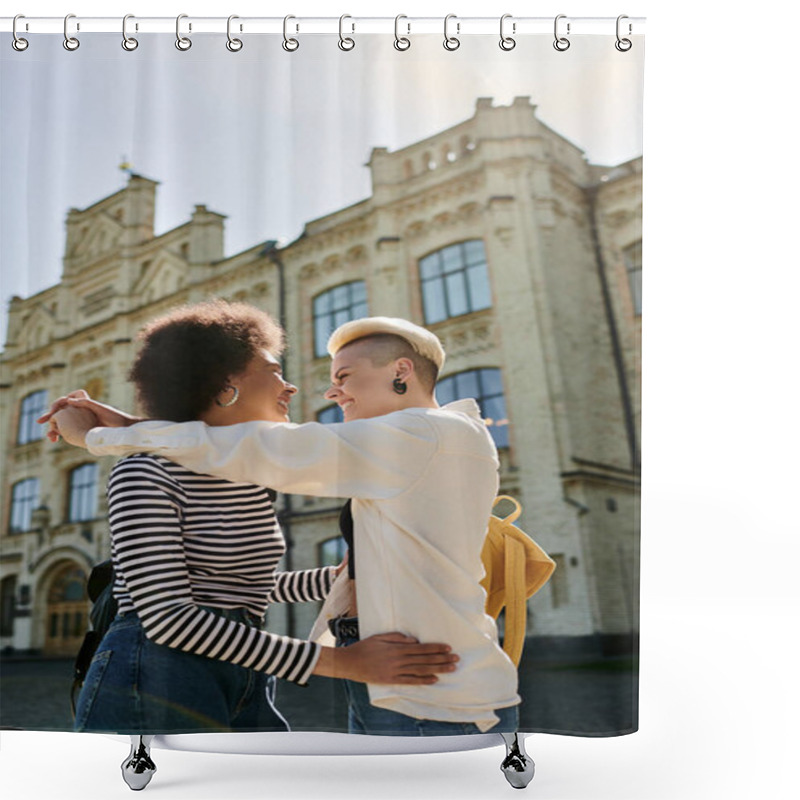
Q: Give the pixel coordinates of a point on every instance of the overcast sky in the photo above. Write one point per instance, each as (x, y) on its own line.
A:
(270, 139)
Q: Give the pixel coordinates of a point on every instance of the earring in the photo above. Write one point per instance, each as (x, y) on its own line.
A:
(399, 386)
(233, 399)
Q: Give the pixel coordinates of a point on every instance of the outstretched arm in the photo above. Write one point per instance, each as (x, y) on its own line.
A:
(303, 586)
(374, 458)
(104, 415)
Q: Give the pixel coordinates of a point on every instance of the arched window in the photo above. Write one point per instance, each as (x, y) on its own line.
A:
(334, 307)
(455, 281)
(24, 498)
(67, 612)
(486, 386)
(330, 414)
(31, 408)
(83, 493)
(633, 262)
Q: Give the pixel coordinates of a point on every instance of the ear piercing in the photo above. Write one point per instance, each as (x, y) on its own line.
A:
(226, 403)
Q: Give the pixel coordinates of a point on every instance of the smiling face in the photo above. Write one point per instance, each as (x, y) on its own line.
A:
(363, 389)
(263, 393)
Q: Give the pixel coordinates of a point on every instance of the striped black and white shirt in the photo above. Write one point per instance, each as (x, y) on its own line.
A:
(181, 540)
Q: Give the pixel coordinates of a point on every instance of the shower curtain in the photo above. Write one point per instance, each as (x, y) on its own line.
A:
(491, 194)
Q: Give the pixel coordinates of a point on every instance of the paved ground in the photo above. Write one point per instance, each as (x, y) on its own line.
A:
(589, 698)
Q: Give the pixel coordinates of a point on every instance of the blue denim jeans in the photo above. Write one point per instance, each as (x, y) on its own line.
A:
(135, 686)
(363, 717)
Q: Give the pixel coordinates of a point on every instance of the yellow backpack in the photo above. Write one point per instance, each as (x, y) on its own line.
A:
(516, 568)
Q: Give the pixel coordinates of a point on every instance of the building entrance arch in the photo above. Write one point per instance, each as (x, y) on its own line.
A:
(67, 611)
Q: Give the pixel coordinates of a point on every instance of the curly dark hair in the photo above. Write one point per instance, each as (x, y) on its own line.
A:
(187, 355)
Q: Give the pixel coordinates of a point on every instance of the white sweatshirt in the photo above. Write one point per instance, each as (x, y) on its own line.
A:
(423, 482)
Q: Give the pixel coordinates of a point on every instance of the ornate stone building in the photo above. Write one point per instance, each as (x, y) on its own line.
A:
(496, 234)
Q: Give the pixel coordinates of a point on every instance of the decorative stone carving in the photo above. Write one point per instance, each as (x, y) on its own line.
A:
(469, 212)
(97, 301)
(356, 255)
(505, 235)
(439, 195)
(416, 230)
(444, 220)
(331, 264)
(95, 387)
(309, 272)
(465, 336)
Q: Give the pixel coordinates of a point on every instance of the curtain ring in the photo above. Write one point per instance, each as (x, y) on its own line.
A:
(623, 45)
(561, 43)
(183, 43)
(401, 43)
(128, 42)
(70, 42)
(234, 45)
(506, 42)
(451, 42)
(289, 45)
(18, 43)
(346, 43)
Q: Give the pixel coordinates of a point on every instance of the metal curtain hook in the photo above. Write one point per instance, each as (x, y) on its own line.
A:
(623, 45)
(561, 43)
(128, 42)
(506, 42)
(451, 42)
(183, 43)
(289, 45)
(346, 43)
(234, 45)
(70, 42)
(18, 43)
(401, 42)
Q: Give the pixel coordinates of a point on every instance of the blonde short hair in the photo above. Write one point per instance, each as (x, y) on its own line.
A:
(421, 340)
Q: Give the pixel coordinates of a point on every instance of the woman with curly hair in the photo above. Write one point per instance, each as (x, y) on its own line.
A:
(196, 557)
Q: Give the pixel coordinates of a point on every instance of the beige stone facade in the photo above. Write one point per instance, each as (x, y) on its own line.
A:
(560, 239)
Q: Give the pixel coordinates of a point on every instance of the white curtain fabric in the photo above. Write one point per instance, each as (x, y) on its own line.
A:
(529, 158)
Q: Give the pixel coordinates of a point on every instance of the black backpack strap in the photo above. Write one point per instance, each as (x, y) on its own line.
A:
(102, 575)
(100, 588)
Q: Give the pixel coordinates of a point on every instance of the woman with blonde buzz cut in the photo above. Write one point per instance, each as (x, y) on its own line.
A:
(420, 480)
